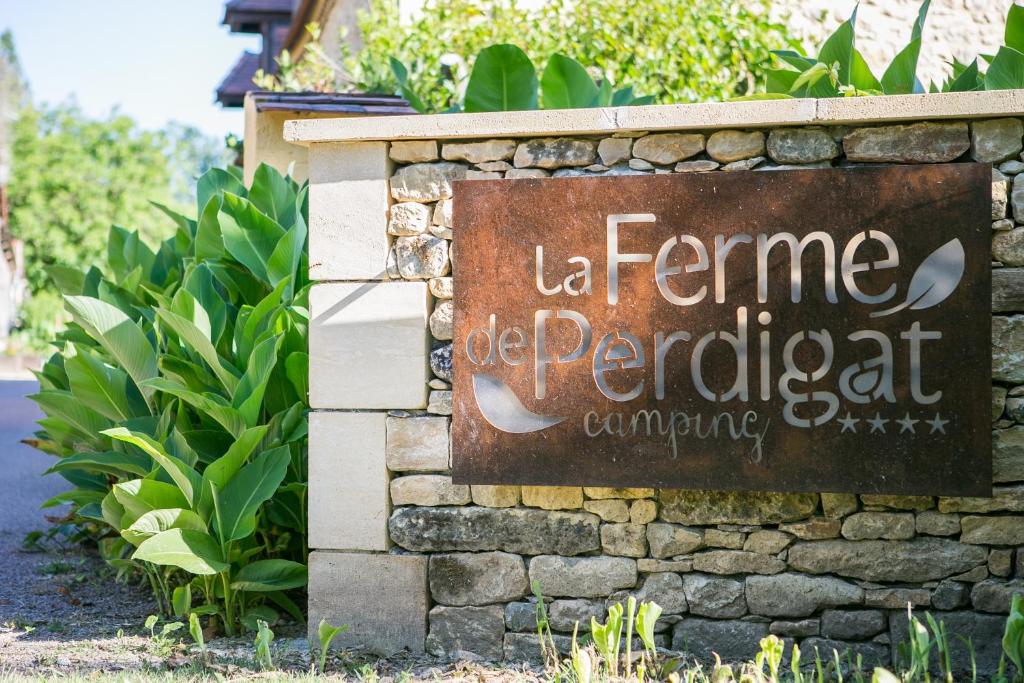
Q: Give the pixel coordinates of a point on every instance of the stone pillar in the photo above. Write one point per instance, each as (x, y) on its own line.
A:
(368, 348)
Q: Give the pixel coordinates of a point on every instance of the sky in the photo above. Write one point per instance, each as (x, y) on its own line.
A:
(157, 60)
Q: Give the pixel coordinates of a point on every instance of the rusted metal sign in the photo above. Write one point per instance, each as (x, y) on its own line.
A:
(819, 330)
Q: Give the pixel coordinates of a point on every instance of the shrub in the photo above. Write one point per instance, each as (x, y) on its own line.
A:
(176, 401)
(676, 50)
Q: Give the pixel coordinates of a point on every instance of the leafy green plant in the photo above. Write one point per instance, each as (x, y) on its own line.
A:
(504, 79)
(176, 401)
(163, 640)
(1006, 68)
(195, 630)
(326, 633)
(264, 637)
(1013, 639)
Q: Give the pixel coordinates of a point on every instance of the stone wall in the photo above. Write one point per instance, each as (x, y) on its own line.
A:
(828, 570)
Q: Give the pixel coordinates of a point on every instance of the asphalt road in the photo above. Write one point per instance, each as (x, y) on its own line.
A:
(22, 486)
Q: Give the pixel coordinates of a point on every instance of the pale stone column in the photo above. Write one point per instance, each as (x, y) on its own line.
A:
(368, 353)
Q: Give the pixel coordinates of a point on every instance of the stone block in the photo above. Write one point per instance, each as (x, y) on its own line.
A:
(523, 647)
(669, 540)
(516, 530)
(348, 210)
(1005, 530)
(898, 502)
(921, 559)
(722, 538)
(614, 150)
(413, 151)
(838, 504)
(479, 152)
(1007, 293)
(852, 624)
(1000, 562)
(1004, 498)
(428, 490)
(417, 444)
(813, 529)
(736, 562)
(733, 641)
(381, 598)
(714, 596)
(461, 579)
(798, 595)
(801, 145)
(908, 144)
(348, 481)
(950, 595)
(726, 146)
(550, 153)
(627, 540)
(442, 321)
(521, 616)
(467, 632)
(408, 218)
(599, 493)
(643, 511)
(995, 140)
(368, 345)
(933, 523)
(553, 497)
(872, 525)
(795, 629)
(582, 577)
(608, 510)
(495, 496)
(565, 614)
(735, 507)
(668, 148)
(1008, 348)
(1008, 453)
(767, 542)
(666, 589)
(897, 598)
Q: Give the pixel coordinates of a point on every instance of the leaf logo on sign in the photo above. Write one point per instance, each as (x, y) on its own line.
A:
(502, 408)
(934, 280)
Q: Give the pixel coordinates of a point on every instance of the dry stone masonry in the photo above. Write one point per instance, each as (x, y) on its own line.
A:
(823, 570)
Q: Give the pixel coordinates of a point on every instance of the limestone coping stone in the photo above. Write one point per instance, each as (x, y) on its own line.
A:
(701, 116)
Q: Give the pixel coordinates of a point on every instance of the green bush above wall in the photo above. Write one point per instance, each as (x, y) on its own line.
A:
(176, 402)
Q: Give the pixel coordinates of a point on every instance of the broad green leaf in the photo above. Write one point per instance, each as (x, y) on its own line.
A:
(199, 342)
(604, 94)
(69, 280)
(186, 226)
(270, 575)
(194, 551)
(157, 521)
(778, 81)
(76, 497)
(110, 462)
(272, 194)
(99, 386)
(201, 284)
(73, 412)
(860, 74)
(1014, 34)
(296, 368)
(1006, 72)
(186, 478)
(967, 80)
(565, 84)
(284, 261)
(209, 244)
(253, 485)
(402, 76)
(112, 511)
(220, 471)
(212, 405)
(214, 182)
(119, 335)
(288, 507)
(503, 79)
(250, 236)
(623, 97)
(248, 396)
(181, 603)
(901, 75)
(139, 496)
(839, 47)
(795, 59)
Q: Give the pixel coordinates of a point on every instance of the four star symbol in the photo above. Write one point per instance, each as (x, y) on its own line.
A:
(906, 423)
(877, 424)
(848, 423)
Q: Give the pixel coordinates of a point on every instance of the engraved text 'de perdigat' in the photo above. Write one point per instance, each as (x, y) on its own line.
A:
(820, 330)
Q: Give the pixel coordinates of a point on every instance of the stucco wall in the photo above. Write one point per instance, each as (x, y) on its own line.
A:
(411, 560)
